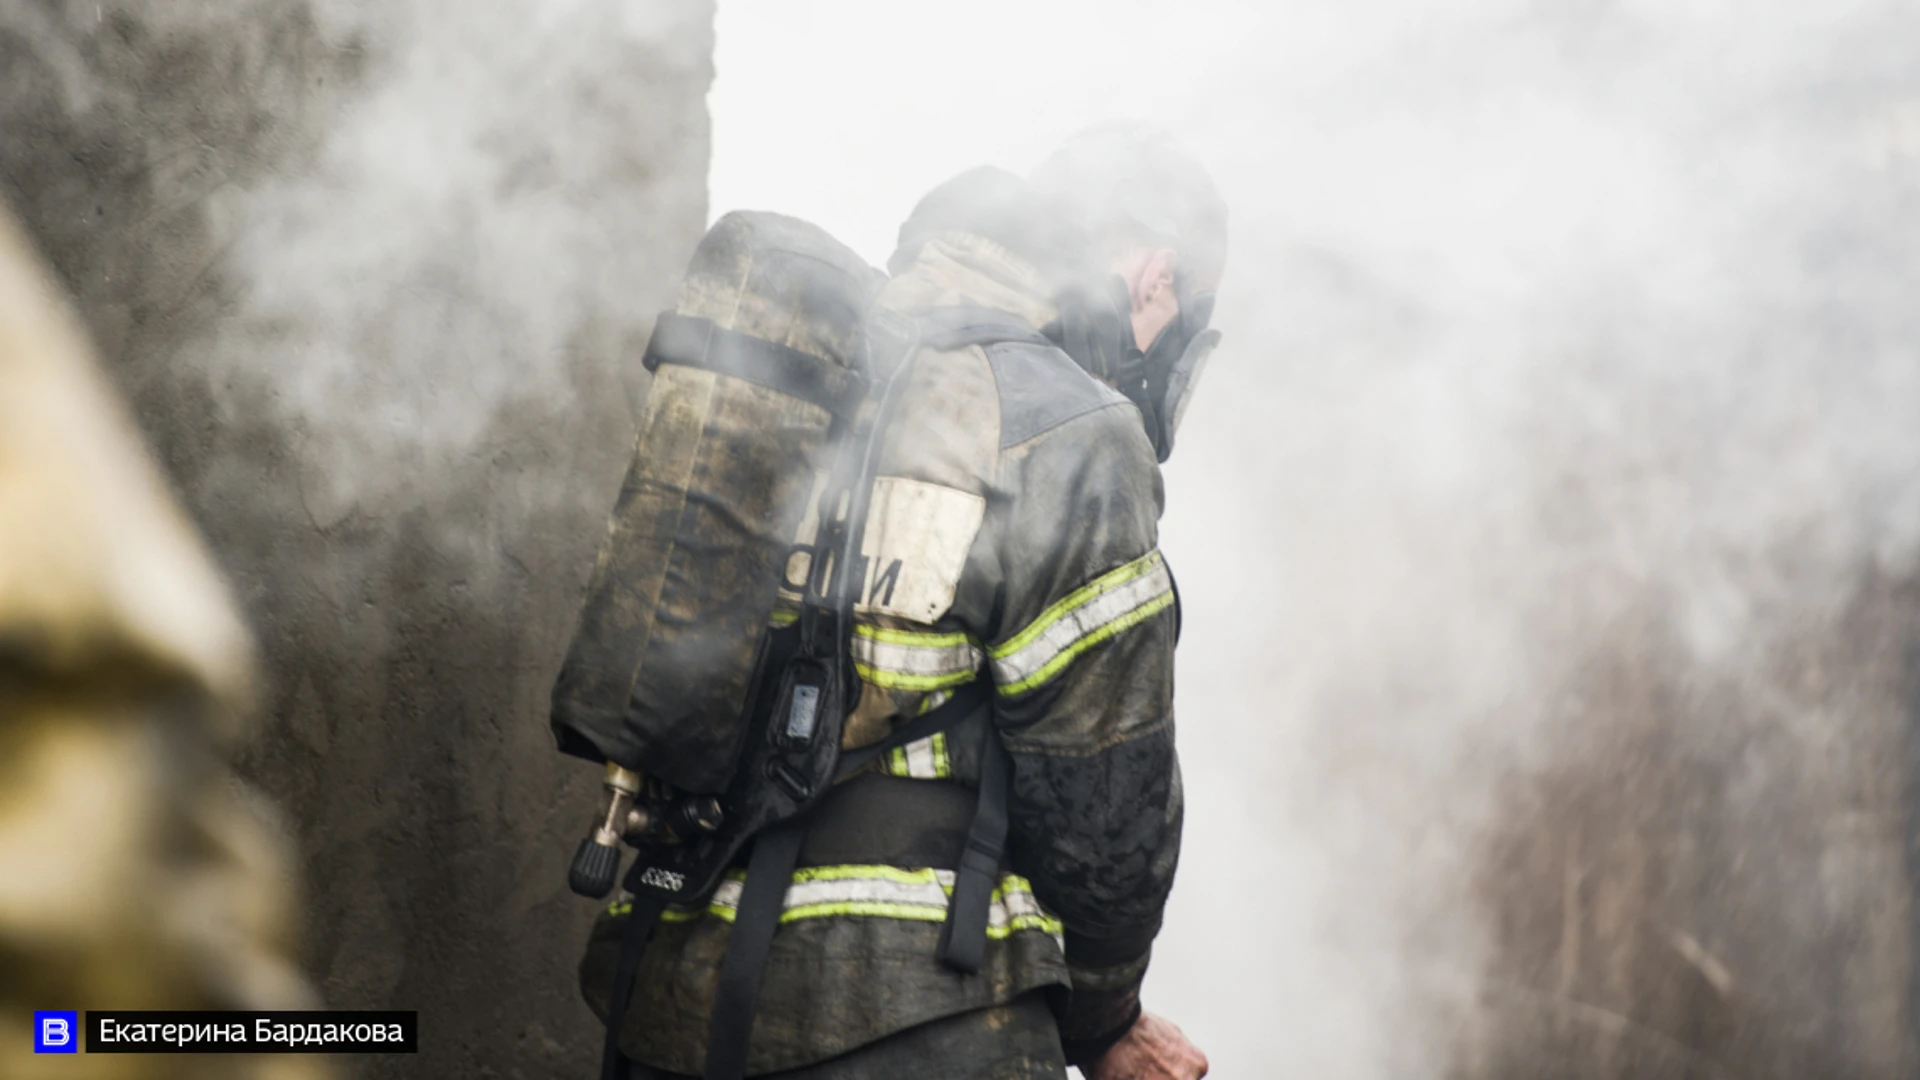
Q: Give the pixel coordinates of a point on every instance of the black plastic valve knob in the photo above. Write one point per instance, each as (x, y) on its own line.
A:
(593, 870)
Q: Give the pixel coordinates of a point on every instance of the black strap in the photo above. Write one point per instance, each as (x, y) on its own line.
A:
(891, 343)
(963, 940)
(642, 914)
(696, 342)
(951, 713)
(769, 872)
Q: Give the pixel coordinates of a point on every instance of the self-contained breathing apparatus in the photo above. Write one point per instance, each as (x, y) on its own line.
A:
(718, 730)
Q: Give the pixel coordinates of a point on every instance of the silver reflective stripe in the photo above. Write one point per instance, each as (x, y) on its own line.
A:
(920, 763)
(1111, 604)
(876, 891)
(881, 892)
(909, 660)
(921, 759)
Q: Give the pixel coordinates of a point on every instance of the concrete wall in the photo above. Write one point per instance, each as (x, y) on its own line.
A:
(376, 278)
(1714, 882)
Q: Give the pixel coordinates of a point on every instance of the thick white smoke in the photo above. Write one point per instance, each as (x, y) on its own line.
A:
(470, 225)
(375, 275)
(1546, 324)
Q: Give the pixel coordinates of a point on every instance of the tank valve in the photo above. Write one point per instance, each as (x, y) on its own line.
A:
(597, 861)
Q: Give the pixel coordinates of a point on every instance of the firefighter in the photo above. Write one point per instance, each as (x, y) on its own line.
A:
(134, 873)
(1011, 551)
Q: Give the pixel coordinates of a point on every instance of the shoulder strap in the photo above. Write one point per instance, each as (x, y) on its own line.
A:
(769, 871)
(642, 914)
(964, 703)
(963, 940)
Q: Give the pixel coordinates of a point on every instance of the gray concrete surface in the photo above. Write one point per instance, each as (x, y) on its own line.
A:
(376, 278)
(1713, 883)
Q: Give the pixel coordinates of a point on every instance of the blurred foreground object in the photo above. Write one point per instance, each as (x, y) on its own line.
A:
(134, 872)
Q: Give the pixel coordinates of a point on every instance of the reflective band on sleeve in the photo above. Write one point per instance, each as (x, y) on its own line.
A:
(905, 659)
(921, 759)
(1086, 617)
(911, 660)
(882, 892)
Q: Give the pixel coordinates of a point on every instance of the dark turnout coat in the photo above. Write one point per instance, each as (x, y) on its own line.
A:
(1012, 538)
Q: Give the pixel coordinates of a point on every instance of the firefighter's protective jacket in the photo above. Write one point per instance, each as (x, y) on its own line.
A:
(1012, 538)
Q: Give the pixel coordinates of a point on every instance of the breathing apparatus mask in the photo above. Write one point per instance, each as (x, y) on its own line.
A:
(1095, 328)
(1131, 183)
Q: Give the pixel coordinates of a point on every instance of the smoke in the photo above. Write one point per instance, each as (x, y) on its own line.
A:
(1546, 527)
(1541, 525)
(376, 277)
(468, 229)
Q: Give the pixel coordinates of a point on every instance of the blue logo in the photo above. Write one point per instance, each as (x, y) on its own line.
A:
(56, 1032)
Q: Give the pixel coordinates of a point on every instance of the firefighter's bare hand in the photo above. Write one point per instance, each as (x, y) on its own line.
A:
(1154, 1048)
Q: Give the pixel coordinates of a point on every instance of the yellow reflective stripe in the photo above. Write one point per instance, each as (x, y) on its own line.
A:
(876, 892)
(895, 680)
(911, 912)
(1104, 583)
(1070, 653)
(906, 659)
(1009, 883)
(869, 908)
(1091, 614)
(908, 912)
(913, 660)
(917, 638)
(909, 660)
(857, 872)
(921, 759)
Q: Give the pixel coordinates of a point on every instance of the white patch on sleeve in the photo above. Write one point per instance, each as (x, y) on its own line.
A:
(918, 536)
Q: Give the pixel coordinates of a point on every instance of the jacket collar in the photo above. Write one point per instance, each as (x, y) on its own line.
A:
(961, 270)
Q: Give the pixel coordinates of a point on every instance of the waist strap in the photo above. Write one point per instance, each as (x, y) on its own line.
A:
(889, 821)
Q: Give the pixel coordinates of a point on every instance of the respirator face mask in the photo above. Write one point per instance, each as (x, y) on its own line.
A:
(1172, 369)
(1095, 328)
